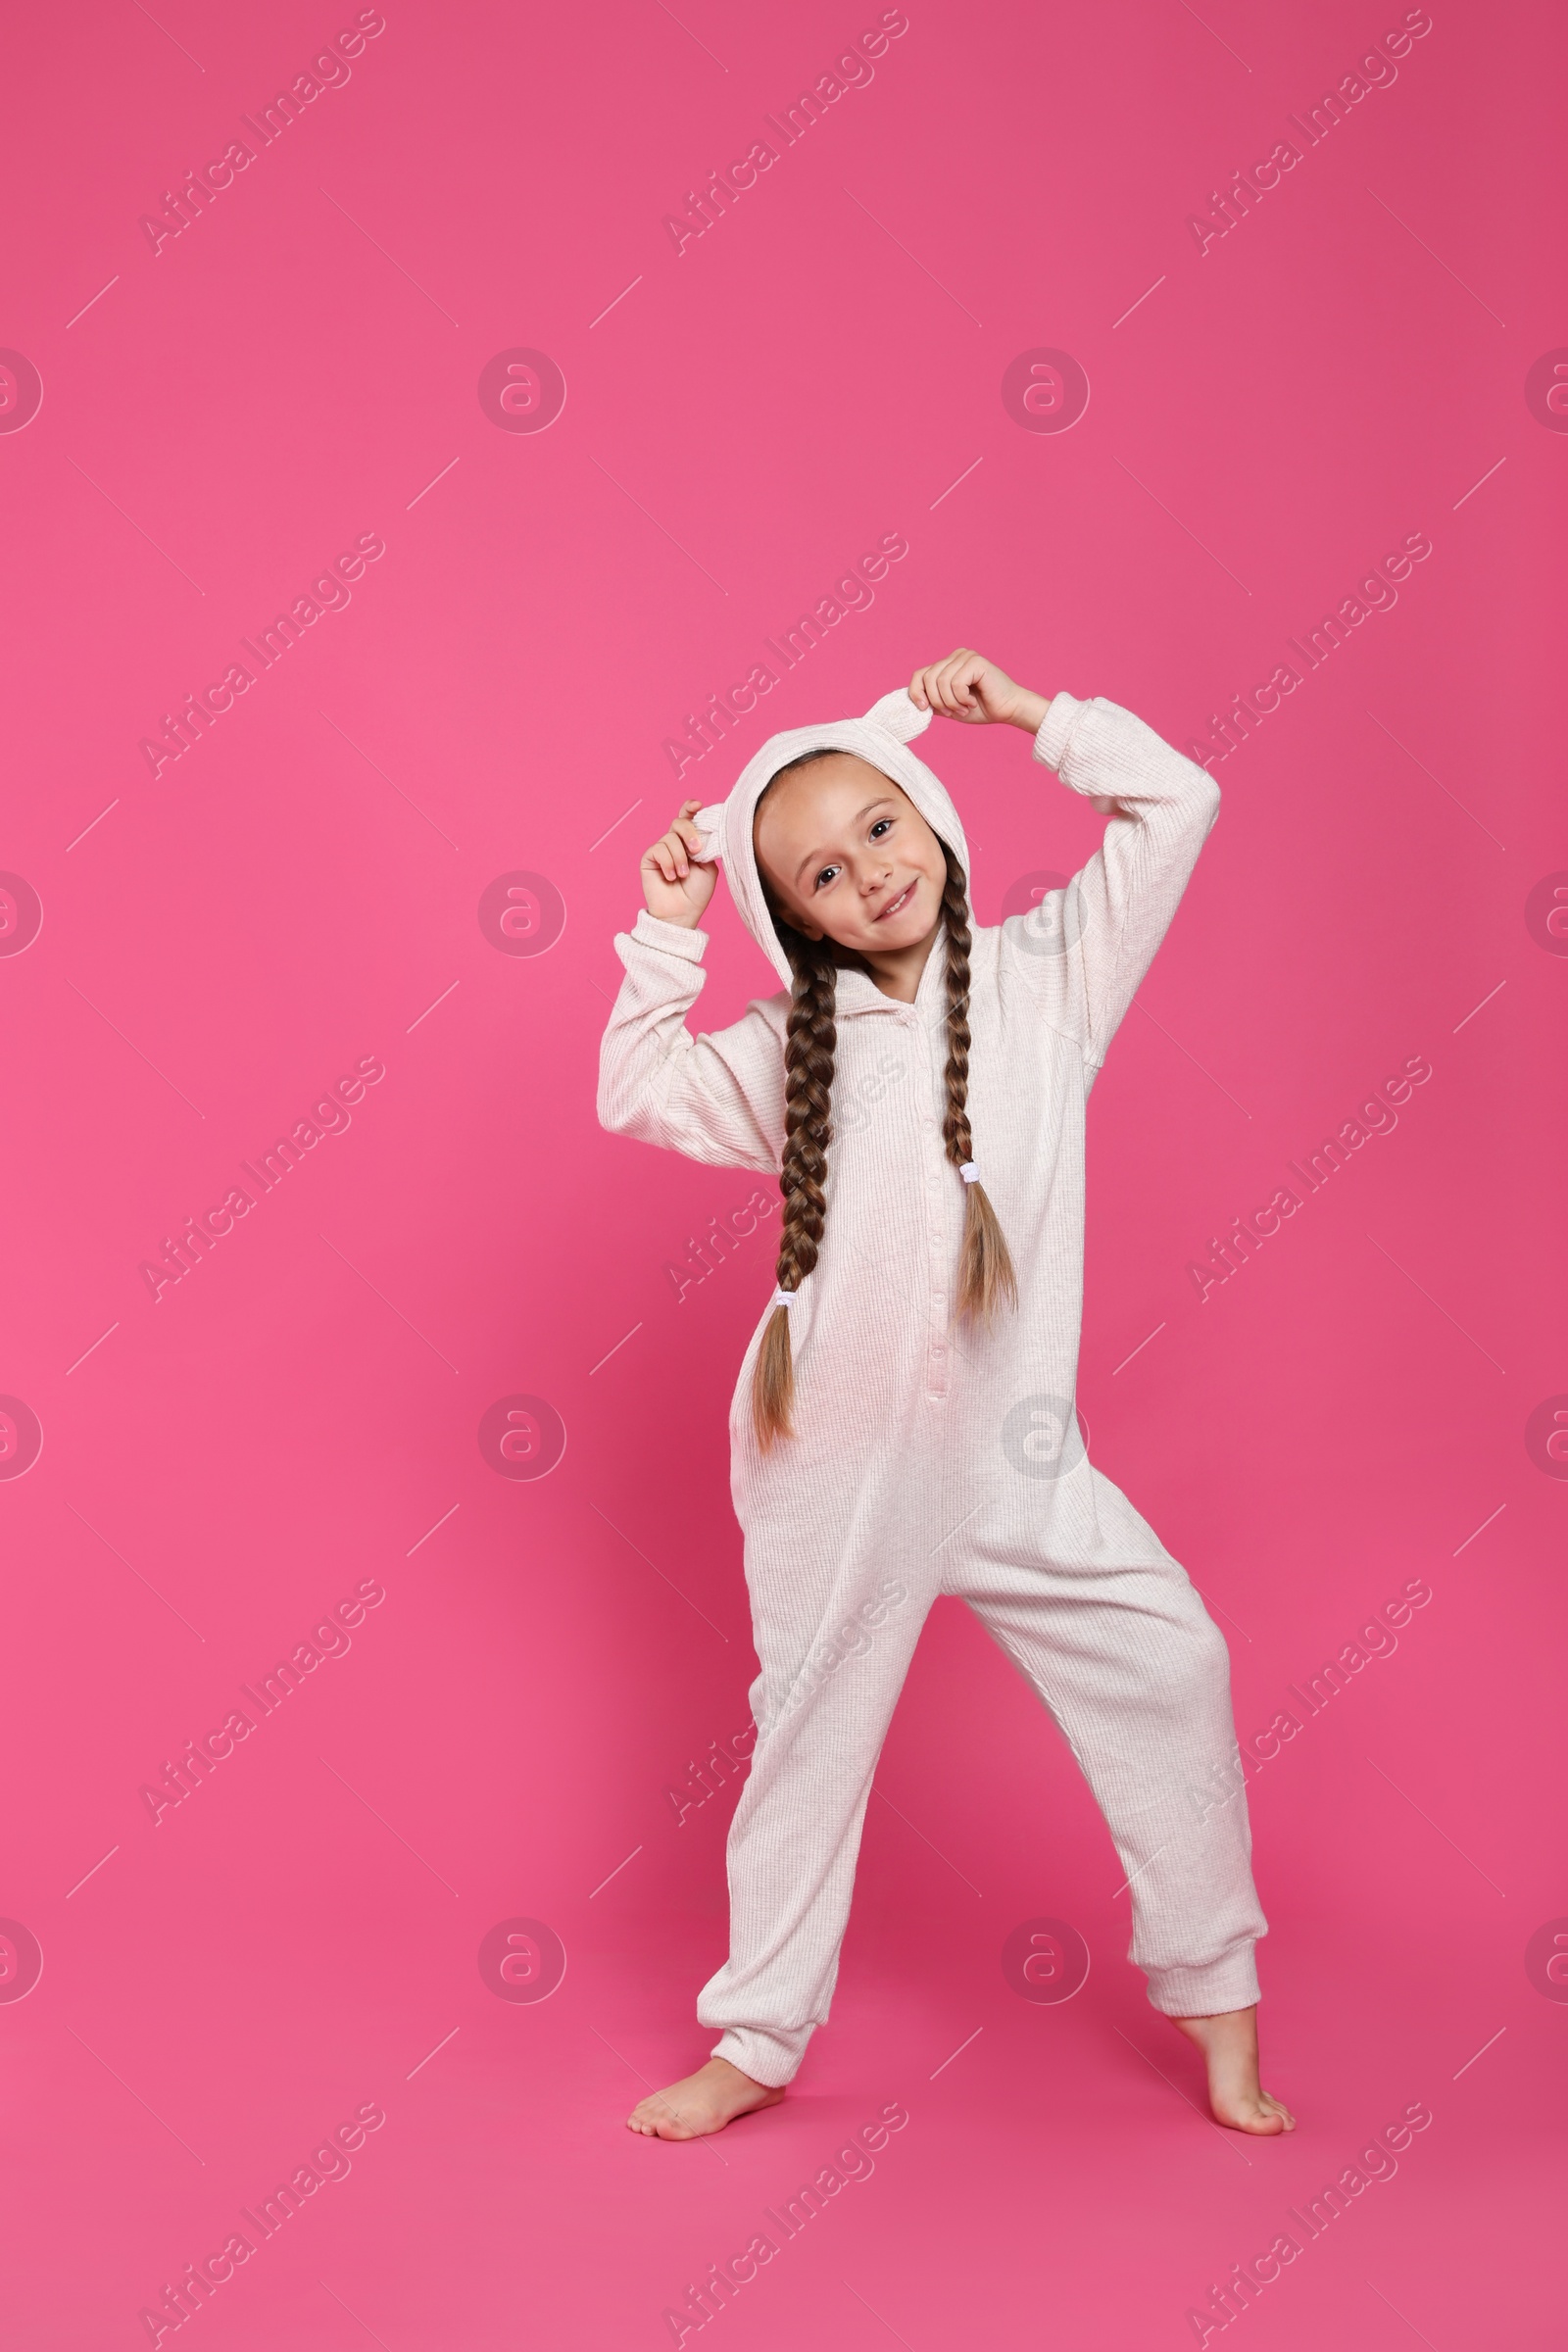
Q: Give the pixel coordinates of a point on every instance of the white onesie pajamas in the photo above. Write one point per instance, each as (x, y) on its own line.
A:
(931, 1458)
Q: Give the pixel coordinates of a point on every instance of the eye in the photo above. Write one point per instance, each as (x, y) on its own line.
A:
(881, 825)
(827, 875)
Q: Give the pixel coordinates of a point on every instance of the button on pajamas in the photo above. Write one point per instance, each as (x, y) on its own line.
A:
(931, 1457)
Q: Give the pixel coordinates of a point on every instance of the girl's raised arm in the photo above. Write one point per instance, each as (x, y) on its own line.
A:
(718, 1096)
(1088, 947)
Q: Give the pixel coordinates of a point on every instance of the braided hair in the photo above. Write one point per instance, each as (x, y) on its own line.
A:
(986, 1273)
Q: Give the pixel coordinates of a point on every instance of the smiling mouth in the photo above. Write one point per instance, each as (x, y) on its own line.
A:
(894, 905)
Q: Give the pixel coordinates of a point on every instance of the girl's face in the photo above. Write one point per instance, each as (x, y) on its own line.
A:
(849, 857)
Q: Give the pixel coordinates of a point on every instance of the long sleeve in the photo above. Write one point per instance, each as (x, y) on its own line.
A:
(1087, 948)
(718, 1097)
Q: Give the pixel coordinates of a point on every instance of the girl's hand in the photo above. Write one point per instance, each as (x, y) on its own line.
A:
(968, 687)
(677, 889)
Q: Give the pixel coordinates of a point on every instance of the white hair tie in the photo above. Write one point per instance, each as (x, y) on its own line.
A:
(784, 1298)
(969, 1172)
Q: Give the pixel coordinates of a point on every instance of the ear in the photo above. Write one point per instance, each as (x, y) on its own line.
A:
(898, 717)
(710, 823)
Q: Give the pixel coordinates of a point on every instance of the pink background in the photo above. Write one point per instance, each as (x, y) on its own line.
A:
(300, 1415)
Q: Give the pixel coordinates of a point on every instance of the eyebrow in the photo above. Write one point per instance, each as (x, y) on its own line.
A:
(882, 799)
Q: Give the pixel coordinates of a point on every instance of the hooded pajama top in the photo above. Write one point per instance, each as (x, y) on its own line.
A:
(930, 1457)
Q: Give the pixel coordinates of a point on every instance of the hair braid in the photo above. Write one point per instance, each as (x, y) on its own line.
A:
(985, 1268)
(811, 1042)
(984, 1265)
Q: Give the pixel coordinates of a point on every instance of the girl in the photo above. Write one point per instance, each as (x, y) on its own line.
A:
(904, 1423)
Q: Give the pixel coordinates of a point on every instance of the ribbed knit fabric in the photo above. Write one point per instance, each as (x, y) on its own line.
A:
(930, 1457)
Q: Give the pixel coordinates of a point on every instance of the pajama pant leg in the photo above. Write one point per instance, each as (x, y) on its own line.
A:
(834, 1650)
(1138, 1678)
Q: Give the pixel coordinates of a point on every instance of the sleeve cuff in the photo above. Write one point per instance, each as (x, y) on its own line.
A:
(674, 939)
(1053, 730)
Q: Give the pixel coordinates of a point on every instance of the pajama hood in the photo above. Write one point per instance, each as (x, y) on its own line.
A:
(882, 739)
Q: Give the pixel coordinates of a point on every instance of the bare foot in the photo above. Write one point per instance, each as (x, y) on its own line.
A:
(701, 2102)
(1229, 2044)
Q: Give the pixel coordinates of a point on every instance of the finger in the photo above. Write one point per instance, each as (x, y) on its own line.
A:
(971, 669)
(942, 686)
(942, 681)
(688, 833)
(916, 691)
(967, 685)
(956, 672)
